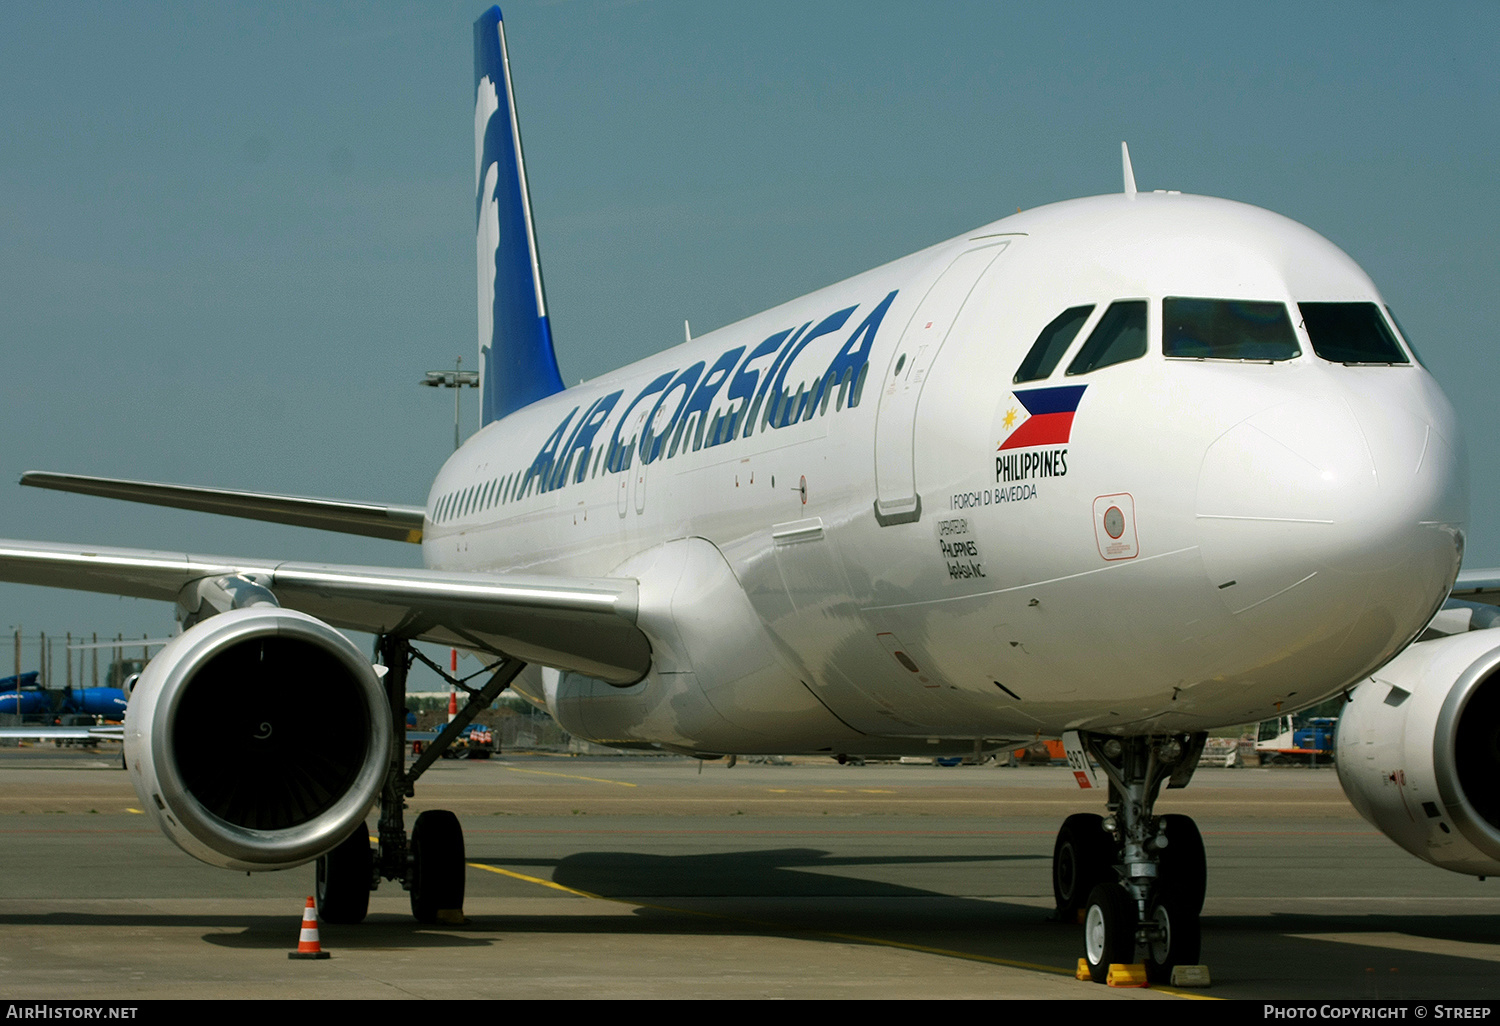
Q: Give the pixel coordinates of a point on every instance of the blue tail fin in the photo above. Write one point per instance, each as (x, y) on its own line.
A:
(517, 364)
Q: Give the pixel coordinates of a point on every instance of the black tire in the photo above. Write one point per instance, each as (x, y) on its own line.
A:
(1183, 865)
(1108, 929)
(1081, 859)
(1181, 939)
(437, 851)
(342, 881)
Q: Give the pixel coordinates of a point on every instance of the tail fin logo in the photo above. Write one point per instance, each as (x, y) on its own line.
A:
(517, 364)
(487, 216)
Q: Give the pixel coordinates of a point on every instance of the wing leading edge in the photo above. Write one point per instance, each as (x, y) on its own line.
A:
(587, 625)
(374, 520)
(1478, 586)
(110, 733)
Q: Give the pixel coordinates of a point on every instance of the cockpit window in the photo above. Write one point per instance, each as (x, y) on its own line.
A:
(1405, 337)
(1119, 336)
(1050, 345)
(1350, 333)
(1227, 329)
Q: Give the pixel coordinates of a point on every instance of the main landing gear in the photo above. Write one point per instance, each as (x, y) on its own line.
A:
(430, 866)
(1134, 879)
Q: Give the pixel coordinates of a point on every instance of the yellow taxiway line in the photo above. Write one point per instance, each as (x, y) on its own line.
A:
(856, 938)
(570, 776)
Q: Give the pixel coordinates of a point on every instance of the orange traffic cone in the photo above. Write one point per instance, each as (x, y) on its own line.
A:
(308, 945)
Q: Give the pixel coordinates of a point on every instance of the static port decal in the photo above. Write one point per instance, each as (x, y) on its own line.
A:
(1114, 526)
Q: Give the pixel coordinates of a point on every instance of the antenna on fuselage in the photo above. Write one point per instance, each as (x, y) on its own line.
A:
(1129, 171)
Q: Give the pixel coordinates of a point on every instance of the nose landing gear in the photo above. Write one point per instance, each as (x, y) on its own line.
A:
(1144, 876)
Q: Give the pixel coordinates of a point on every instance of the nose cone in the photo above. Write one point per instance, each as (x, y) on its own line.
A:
(1332, 524)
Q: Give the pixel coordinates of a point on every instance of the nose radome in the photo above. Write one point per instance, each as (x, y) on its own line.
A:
(1299, 462)
(1423, 474)
(1322, 517)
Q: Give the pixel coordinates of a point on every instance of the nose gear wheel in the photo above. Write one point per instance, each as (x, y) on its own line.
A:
(1175, 938)
(1108, 930)
(1082, 857)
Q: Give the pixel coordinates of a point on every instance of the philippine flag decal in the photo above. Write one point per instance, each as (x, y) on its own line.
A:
(1048, 417)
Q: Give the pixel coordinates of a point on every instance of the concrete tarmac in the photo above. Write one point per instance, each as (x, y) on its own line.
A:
(643, 877)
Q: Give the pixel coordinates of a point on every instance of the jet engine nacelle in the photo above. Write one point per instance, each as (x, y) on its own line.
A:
(258, 739)
(1419, 751)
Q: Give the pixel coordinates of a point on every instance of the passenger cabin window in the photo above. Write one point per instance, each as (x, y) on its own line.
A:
(1350, 333)
(1050, 345)
(1227, 329)
(1119, 336)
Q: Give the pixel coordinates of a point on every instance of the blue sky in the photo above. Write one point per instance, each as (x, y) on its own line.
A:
(233, 236)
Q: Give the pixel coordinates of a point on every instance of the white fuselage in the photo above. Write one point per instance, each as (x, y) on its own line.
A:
(1196, 543)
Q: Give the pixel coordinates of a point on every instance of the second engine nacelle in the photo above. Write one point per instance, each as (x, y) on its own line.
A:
(258, 739)
(1419, 751)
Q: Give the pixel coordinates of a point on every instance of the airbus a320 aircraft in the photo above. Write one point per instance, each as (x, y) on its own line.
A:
(1120, 470)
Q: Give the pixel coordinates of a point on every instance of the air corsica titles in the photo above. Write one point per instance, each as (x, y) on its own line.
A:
(757, 396)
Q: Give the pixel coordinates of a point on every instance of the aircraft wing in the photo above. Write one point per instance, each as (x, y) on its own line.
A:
(114, 732)
(1478, 586)
(374, 520)
(581, 624)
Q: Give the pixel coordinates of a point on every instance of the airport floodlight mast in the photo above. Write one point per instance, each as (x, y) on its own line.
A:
(456, 379)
